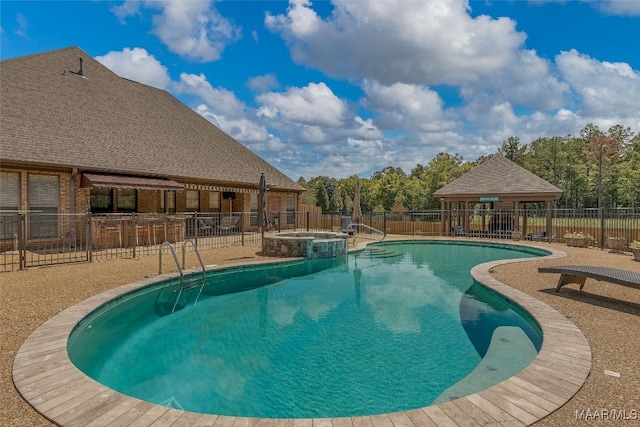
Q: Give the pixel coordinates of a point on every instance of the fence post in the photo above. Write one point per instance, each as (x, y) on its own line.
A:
(242, 227)
(413, 224)
(196, 227)
(134, 230)
(22, 246)
(601, 213)
(89, 239)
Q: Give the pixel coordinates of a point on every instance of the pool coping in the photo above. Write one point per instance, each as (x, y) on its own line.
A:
(46, 378)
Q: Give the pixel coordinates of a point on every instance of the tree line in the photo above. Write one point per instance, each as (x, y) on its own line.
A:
(591, 167)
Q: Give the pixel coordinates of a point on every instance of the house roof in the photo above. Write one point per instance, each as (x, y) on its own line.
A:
(53, 116)
(499, 176)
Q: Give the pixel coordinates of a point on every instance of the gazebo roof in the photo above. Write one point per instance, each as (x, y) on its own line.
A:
(499, 177)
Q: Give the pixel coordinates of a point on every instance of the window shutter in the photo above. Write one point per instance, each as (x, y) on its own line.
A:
(10, 194)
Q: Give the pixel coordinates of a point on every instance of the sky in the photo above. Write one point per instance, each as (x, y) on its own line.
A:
(349, 87)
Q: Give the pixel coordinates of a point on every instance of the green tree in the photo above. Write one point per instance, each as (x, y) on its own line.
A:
(385, 187)
(512, 149)
(308, 197)
(335, 201)
(443, 169)
(322, 198)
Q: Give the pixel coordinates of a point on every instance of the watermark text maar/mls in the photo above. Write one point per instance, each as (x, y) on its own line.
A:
(607, 414)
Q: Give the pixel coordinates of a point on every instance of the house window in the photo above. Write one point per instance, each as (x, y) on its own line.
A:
(9, 201)
(193, 200)
(291, 214)
(127, 200)
(43, 193)
(171, 202)
(214, 201)
(168, 202)
(101, 200)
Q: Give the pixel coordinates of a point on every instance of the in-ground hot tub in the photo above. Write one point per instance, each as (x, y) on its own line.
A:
(305, 244)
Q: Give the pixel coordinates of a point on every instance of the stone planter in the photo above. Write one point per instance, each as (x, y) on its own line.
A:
(616, 244)
(636, 253)
(578, 242)
(516, 235)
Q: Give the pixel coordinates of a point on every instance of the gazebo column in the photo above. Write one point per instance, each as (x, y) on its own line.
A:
(484, 217)
(549, 223)
(449, 218)
(524, 220)
(466, 217)
(443, 216)
(452, 222)
(516, 216)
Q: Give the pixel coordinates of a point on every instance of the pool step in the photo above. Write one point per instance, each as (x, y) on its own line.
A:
(378, 252)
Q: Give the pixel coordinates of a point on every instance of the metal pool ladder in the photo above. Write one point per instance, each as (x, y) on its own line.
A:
(188, 282)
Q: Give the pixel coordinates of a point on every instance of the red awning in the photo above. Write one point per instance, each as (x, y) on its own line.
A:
(118, 181)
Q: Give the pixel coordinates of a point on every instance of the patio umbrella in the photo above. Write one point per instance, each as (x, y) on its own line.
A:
(262, 203)
(357, 213)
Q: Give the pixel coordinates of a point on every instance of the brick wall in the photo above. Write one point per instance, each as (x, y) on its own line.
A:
(149, 201)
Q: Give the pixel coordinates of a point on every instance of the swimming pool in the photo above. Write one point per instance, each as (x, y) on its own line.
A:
(365, 334)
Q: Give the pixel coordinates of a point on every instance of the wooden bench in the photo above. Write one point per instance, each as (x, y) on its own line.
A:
(579, 273)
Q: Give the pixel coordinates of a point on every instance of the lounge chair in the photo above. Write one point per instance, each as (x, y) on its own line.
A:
(537, 235)
(205, 226)
(227, 224)
(458, 231)
(579, 273)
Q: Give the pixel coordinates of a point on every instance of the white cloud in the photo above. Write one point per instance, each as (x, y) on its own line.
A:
(263, 83)
(365, 129)
(619, 7)
(223, 101)
(193, 29)
(398, 40)
(126, 9)
(396, 52)
(314, 104)
(311, 135)
(239, 128)
(408, 106)
(527, 81)
(604, 89)
(138, 65)
(22, 25)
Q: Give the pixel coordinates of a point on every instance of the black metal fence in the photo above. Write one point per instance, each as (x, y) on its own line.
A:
(30, 239)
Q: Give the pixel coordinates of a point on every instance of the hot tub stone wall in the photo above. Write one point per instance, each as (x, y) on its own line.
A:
(309, 245)
(326, 248)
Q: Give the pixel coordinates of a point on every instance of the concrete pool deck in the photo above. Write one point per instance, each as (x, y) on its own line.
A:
(45, 376)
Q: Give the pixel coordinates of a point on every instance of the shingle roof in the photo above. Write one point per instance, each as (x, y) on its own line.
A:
(498, 176)
(51, 116)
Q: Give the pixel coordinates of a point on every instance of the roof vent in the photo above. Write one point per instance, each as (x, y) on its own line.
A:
(80, 72)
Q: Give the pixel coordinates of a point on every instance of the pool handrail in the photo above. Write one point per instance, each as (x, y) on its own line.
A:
(190, 283)
(353, 225)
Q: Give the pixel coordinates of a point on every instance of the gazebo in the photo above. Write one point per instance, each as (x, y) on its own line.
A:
(501, 186)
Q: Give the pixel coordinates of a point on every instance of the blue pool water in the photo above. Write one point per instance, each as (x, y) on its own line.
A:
(393, 329)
